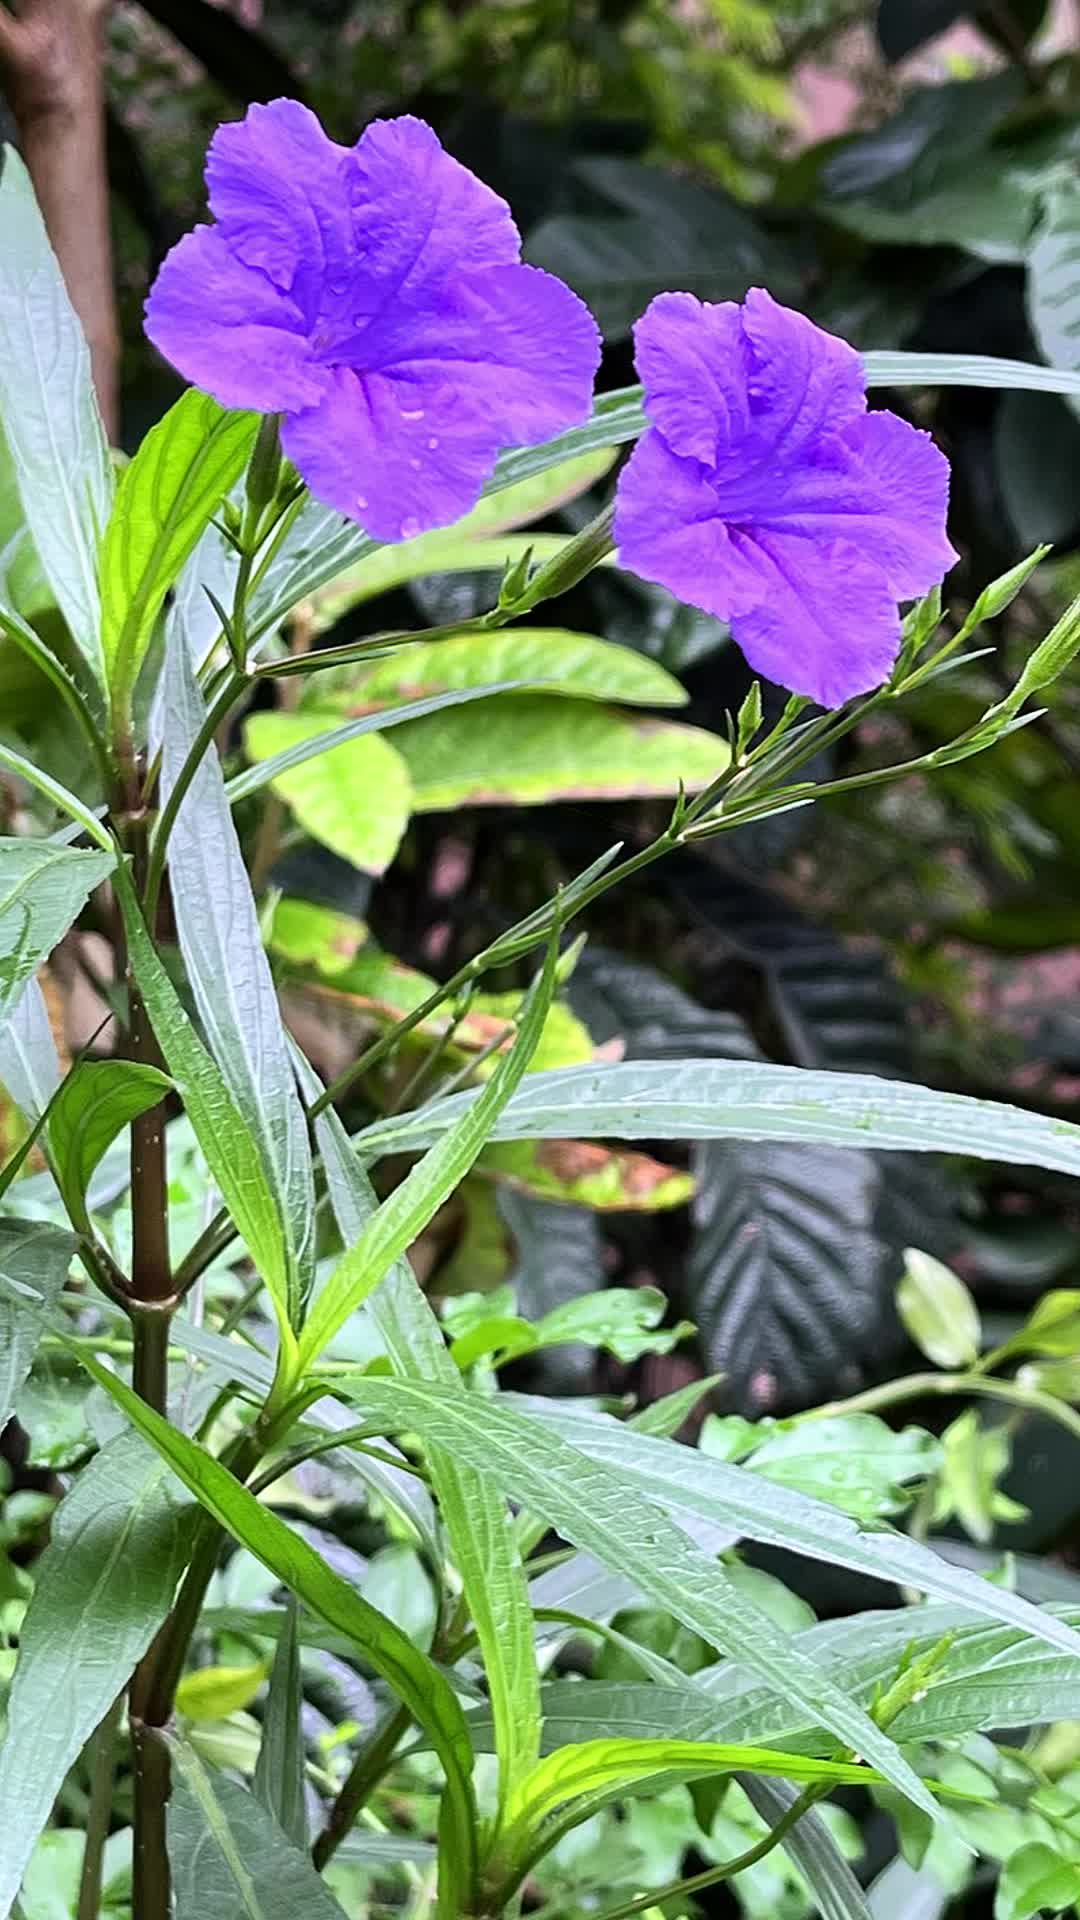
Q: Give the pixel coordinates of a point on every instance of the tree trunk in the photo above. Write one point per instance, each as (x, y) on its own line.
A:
(51, 67)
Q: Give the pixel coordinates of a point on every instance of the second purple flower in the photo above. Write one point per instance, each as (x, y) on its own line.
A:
(375, 296)
(765, 493)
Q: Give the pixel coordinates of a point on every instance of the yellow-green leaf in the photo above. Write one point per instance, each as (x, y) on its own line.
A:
(212, 1693)
(356, 799)
(573, 664)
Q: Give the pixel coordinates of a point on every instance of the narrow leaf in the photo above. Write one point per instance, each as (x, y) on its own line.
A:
(167, 494)
(221, 941)
(811, 1846)
(34, 1262)
(228, 1856)
(279, 1774)
(50, 417)
(29, 1066)
(43, 889)
(415, 1680)
(102, 1588)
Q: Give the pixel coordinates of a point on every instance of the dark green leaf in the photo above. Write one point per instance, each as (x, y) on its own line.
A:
(102, 1589)
(228, 1855)
(43, 888)
(167, 495)
(34, 1262)
(279, 1775)
(50, 418)
(97, 1100)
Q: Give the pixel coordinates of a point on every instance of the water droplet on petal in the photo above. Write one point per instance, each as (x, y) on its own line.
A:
(409, 529)
(433, 442)
(361, 500)
(412, 413)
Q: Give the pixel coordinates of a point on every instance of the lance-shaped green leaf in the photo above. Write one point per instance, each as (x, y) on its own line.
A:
(230, 1148)
(575, 665)
(29, 1064)
(229, 1857)
(218, 928)
(279, 1773)
(811, 1846)
(412, 1676)
(102, 1588)
(598, 1508)
(43, 889)
(49, 414)
(747, 1100)
(1053, 285)
(166, 497)
(98, 1099)
(412, 1205)
(34, 1261)
(486, 1550)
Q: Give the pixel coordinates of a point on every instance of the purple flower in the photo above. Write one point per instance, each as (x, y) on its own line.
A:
(373, 295)
(765, 493)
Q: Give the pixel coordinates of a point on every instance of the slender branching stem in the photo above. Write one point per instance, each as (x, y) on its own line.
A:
(367, 1771)
(696, 1883)
(919, 1386)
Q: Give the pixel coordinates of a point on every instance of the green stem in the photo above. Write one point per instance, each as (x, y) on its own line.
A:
(915, 1386)
(678, 1889)
(99, 1814)
(367, 1771)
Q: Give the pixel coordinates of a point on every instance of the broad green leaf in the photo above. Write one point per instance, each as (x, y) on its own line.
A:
(167, 495)
(303, 744)
(938, 1311)
(408, 1672)
(305, 935)
(411, 1206)
(218, 928)
(52, 1411)
(50, 1889)
(34, 1262)
(692, 1487)
(853, 1461)
(355, 799)
(747, 1100)
(49, 414)
(530, 748)
(97, 1100)
(228, 1857)
(1036, 1880)
(1053, 282)
(986, 209)
(597, 1507)
(231, 1151)
(29, 1065)
(279, 1775)
(578, 1173)
(572, 664)
(486, 1548)
(102, 1588)
(811, 1846)
(624, 1321)
(212, 1693)
(43, 888)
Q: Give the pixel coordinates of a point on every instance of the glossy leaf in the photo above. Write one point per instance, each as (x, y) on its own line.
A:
(853, 1461)
(354, 798)
(231, 1150)
(34, 1262)
(102, 1588)
(571, 664)
(588, 1500)
(412, 1676)
(218, 928)
(167, 494)
(719, 1100)
(49, 414)
(97, 1100)
(531, 748)
(938, 1311)
(43, 889)
(485, 1548)
(229, 1857)
(279, 1775)
(1053, 285)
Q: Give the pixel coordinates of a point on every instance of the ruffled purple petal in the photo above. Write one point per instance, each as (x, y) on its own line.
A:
(277, 190)
(418, 216)
(801, 381)
(397, 457)
(824, 622)
(519, 347)
(228, 330)
(667, 529)
(692, 359)
(903, 480)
